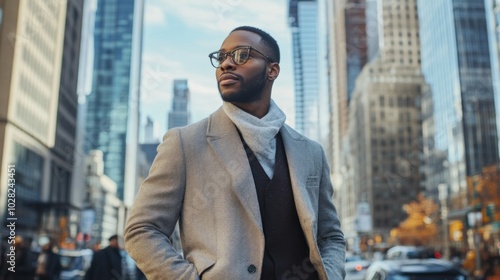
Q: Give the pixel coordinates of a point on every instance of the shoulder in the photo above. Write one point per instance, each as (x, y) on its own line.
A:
(100, 254)
(192, 130)
(197, 127)
(289, 132)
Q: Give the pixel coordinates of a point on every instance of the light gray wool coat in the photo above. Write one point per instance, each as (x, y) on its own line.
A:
(201, 177)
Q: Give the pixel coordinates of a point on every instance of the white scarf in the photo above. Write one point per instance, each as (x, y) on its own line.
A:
(259, 134)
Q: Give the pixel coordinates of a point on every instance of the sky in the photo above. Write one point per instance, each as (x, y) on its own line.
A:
(179, 35)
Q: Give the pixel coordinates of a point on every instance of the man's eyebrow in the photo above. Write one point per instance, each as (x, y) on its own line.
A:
(238, 46)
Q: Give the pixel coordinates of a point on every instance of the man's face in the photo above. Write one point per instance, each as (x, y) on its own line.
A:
(242, 83)
(113, 243)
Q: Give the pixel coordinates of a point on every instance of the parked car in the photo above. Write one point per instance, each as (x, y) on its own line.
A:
(409, 252)
(414, 269)
(356, 269)
(74, 263)
(353, 258)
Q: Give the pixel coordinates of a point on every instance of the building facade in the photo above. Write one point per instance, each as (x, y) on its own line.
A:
(62, 205)
(112, 120)
(347, 54)
(457, 66)
(39, 50)
(379, 170)
(104, 211)
(493, 24)
(310, 96)
(179, 115)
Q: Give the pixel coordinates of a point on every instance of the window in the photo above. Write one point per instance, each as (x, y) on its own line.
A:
(377, 276)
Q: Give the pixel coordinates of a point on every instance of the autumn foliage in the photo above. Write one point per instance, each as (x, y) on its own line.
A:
(420, 227)
(484, 193)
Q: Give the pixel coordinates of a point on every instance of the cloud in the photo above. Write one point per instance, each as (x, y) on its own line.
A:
(223, 15)
(173, 54)
(154, 15)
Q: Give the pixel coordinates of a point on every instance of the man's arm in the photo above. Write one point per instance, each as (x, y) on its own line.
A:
(155, 212)
(331, 240)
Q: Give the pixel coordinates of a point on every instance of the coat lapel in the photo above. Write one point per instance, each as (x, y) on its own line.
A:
(225, 141)
(297, 156)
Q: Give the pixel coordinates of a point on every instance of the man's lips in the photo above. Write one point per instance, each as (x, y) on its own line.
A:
(227, 79)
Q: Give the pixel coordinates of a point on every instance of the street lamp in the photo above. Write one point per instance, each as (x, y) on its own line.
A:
(443, 197)
(474, 219)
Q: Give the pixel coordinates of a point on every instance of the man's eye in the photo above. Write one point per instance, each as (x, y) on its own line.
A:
(243, 56)
(219, 57)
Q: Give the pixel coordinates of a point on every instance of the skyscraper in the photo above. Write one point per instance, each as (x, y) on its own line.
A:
(61, 204)
(493, 23)
(347, 54)
(355, 41)
(179, 114)
(39, 49)
(113, 105)
(150, 144)
(457, 66)
(150, 131)
(309, 94)
(380, 163)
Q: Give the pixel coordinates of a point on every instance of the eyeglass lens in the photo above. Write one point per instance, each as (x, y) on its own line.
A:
(239, 56)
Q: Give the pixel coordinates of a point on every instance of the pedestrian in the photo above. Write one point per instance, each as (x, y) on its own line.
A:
(22, 270)
(48, 265)
(106, 263)
(254, 197)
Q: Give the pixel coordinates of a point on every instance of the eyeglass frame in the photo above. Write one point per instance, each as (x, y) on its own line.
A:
(230, 53)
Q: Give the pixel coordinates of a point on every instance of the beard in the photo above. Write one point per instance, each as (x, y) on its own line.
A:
(249, 91)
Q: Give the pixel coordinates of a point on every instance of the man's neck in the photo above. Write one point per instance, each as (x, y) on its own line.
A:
(258, 108)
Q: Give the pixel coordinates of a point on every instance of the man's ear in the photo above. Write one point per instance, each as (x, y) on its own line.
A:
(274, 71)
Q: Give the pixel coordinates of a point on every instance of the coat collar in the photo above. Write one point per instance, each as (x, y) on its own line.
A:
(224, 139)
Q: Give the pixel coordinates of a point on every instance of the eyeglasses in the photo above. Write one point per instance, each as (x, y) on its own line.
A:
(239, 56)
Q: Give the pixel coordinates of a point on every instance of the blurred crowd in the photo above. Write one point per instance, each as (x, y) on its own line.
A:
(42, 260)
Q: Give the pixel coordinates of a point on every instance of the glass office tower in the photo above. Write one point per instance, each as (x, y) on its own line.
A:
(493, 22)
(113, 105)
(456, 65)
(179, 114)
(303, 17)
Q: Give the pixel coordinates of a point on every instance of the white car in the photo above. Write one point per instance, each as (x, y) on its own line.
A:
(74, 263)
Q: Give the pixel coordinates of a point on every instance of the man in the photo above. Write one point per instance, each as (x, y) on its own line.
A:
(106, 263)
(253, 196)
(48, 265)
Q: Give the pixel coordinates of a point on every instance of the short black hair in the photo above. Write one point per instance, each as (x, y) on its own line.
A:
(113, 237)
(268, 41)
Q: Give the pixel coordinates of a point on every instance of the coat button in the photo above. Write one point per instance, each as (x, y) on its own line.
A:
(252, 269)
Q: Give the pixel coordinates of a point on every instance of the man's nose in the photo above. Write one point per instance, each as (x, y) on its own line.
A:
(227, 63)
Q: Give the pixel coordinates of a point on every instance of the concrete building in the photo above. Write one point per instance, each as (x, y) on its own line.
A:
(147, 149)
(347, 54)
(104, 211)
(39, 50)
(112, 120)
(63, 206)
(150, 131)
(380, 158)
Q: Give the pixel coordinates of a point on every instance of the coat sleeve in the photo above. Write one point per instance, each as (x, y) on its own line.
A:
(331, 240)
(155, 212)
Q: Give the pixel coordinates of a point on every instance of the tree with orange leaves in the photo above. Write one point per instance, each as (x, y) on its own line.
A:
(420, 227)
